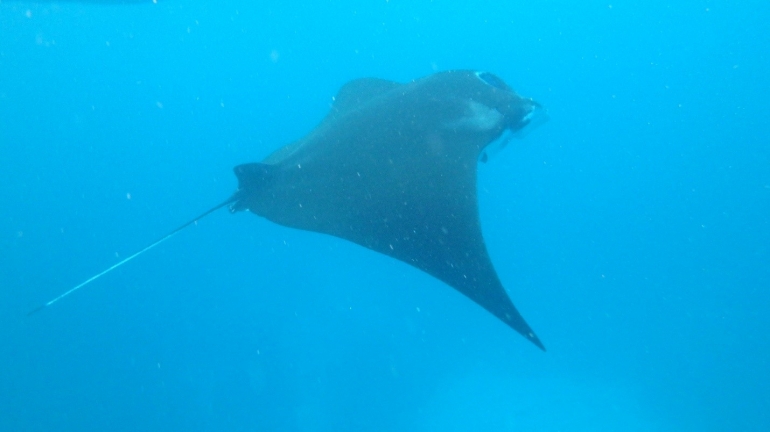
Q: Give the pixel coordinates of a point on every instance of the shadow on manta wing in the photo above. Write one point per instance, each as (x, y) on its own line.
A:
(392, 168)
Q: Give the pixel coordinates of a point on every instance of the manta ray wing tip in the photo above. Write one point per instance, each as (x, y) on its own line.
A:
(535, 340)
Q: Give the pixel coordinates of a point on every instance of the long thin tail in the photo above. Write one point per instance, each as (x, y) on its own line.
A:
(134, 255)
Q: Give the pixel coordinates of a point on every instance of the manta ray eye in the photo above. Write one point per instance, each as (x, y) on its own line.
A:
(492, 80)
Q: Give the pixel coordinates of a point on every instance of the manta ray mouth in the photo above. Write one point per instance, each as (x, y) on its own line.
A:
(534, 116)
(533, 119)
(518, 127)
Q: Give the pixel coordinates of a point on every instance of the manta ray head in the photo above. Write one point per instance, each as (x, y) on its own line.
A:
(500, 108)
(517, 112)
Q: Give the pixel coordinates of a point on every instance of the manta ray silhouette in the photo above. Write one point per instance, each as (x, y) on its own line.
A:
(392, 168)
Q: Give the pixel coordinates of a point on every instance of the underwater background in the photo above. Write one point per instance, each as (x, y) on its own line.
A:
(632, 230)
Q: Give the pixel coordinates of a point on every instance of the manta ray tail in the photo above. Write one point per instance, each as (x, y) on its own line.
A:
(134, 255)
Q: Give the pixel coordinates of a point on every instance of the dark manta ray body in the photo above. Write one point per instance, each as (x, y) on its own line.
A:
(392, 168)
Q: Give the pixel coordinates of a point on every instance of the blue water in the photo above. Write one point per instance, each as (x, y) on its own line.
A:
(632, 230)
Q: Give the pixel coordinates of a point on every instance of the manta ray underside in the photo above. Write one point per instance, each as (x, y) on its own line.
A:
(392, 168)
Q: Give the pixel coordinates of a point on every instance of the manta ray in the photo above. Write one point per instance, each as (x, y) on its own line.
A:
(392, 167)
